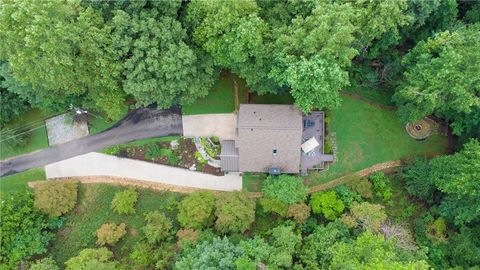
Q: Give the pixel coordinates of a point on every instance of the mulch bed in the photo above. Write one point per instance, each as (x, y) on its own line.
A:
(185, 153)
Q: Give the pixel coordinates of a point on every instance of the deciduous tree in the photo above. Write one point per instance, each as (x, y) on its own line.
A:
(196, 210)
(235, 212)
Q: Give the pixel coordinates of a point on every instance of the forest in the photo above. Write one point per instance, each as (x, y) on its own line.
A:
(112, 56)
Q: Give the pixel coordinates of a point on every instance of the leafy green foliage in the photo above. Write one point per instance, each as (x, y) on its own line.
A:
(347, 196)
(24, 230)
(271, 205)
(442, 79)
(44, 264)
(235, 212)
(124, 201)
(159, 65)
(110, 233)
(464, 247)
(55, 197)
(455, 178)
(196, 210)
(12, 104)
(276, 253)
(369, 216)
(381, 186)
(327, 204)
(300, 212)
(362, 186)
(90, 258)
(215, 254)
(285, 188)
(370, 251)
(315, 251)
(157, 227)
(68, 46)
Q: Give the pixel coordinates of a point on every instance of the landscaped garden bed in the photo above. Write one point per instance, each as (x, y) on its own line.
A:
(178, 152)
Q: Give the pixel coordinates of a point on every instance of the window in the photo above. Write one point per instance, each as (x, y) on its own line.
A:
(274, 152)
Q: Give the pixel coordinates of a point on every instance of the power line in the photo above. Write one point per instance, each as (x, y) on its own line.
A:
(28, 125)
(18, 134)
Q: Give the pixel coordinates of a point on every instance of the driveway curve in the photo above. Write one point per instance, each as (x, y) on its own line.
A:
(139, 124)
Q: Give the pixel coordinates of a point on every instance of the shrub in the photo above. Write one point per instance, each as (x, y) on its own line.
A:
(157, 227)
(113, 150)
(327, 204)
(24, 230)
(154, 152)
(110, 233)
(369, 216)
(55, 197)
(347, 196)
(235, 212)
(328, 147)
(196, 210)
(187, 237)
(381, 186)
(270, 205)
(437, 230)
(90, 258)
(362, 186)
(299, 212)
(216, 254)
(124, 201)
(146, 256)
(285, 188)
(44, 264)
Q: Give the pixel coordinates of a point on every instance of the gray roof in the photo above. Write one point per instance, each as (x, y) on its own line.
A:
(229, 156)
(265, 128)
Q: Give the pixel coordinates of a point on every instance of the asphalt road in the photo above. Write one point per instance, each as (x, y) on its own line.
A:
(139, 124)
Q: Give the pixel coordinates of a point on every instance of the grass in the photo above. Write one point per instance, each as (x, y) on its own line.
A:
(374, 95)
(18, 182)
(99, 124)
(253, 181)
(93, 210)
(285, 98)
(38, 137)
(220, 99)
(367, 135)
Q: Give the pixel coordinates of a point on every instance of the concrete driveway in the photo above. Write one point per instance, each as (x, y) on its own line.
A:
(222, 125)
(139, 124)
(96, 164)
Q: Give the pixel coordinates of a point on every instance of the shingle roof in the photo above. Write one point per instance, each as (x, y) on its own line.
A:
(265, 128)
(229, 156)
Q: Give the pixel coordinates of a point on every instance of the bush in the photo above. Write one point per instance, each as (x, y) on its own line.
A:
(44, 264)
(24, 231)
(327, 204)
(299, 212)
(369, 216)
(154, 152)
(124, 201)
(285, 188)
(146, 256)
(381, 186)
(328, 147)
(362, 186)
(196, 210)
(110, 233)
(187, 237)
(347, 196)
(216, 254)
(55, 197)
(270, 205)
(90, 258)
(235, 212)
(157, 227)
(113, 150)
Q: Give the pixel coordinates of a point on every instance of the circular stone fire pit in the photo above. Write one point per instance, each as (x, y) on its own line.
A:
(420, 130)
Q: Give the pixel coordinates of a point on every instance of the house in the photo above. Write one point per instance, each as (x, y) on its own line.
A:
(270, 138)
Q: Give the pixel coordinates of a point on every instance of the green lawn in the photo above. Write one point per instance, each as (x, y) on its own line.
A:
(18, 182)
(375, 95)
(367, 135)
(271, 99)
(220, 99)
(31, 120)
(93, 209)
